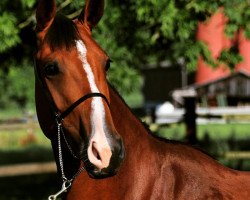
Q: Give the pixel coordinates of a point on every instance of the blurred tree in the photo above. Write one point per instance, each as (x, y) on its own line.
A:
(19, 87)
(133, 32)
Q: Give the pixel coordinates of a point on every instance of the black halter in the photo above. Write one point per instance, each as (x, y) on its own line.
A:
(59, 116)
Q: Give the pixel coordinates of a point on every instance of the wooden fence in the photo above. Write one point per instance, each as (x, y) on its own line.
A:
(27, 169)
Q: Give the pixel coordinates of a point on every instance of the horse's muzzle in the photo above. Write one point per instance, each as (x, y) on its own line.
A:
(116, 159)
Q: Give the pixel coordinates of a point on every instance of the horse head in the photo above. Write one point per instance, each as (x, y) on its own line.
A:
(71, 68)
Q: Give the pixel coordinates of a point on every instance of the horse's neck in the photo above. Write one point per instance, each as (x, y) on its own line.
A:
(127, 124)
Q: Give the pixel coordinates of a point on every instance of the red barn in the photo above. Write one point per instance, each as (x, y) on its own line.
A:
(212, 33)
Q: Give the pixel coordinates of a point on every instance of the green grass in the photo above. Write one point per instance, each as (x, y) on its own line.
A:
(215, 131)
(19, 138)
(14, 136)
(12, 113)
(224, 131)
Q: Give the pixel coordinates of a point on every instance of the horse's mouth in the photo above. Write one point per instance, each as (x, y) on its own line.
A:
(100, 174)
(110, 171)
(96, 173)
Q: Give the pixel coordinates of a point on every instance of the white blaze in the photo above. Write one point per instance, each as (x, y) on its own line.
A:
(98, 113)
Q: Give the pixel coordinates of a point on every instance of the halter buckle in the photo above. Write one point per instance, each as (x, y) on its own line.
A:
(58, 119)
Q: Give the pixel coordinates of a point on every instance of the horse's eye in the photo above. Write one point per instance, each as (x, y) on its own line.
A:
(51, 69)
(107, 66)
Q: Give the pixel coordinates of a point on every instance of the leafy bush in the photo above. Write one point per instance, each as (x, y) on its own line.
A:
(17, 87)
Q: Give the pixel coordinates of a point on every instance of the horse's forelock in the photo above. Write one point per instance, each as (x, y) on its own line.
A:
(62, 33)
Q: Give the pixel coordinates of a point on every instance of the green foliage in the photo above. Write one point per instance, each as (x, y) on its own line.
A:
(121, 74)
(174, 23)
(230, 57)
(21, 85)
(28, 3)
(17, 87)
(8, 31)
(196, 50)
(134, 33)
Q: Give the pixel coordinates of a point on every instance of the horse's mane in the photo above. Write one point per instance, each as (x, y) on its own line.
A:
(146, 126)
(62, 33)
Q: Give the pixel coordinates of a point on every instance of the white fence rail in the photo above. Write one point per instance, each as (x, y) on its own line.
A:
(220, 115)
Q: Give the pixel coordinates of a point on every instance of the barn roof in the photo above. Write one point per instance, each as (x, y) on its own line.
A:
(241, 73)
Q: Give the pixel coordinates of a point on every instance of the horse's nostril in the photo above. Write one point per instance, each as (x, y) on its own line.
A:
(95, 152)
(98, 157)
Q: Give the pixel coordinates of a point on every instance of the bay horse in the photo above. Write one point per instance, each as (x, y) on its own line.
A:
(102, 149)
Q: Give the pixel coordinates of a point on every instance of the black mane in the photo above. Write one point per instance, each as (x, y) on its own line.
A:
(62, 33)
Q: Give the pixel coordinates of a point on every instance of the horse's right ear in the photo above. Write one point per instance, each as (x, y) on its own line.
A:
(45, 13)
(92, 13)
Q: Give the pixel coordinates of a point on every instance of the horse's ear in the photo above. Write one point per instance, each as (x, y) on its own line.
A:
(92, 13)
(45, 13)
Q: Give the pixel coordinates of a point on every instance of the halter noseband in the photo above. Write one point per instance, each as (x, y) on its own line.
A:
(60, 116)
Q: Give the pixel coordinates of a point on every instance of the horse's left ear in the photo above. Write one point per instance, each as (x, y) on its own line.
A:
(45, 13)
(92, 13)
